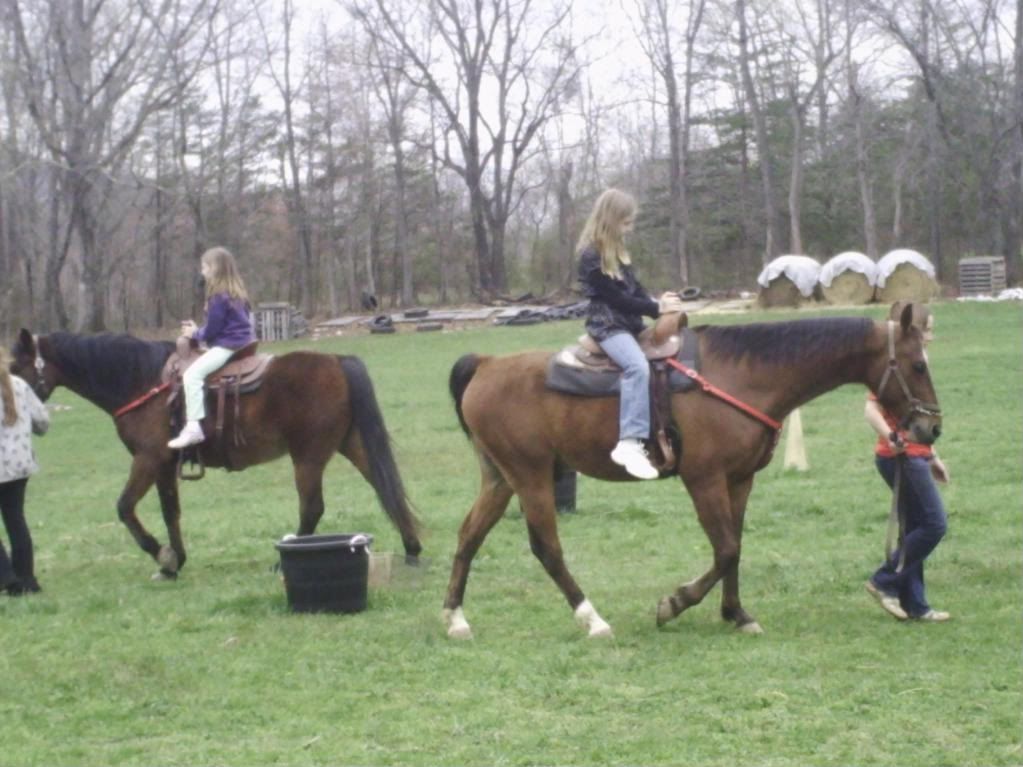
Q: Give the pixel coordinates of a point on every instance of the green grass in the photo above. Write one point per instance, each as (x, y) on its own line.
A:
(108, 667)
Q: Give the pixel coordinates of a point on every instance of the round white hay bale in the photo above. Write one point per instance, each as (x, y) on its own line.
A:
(788, 281)
(848, 278)
(907, 283)
(781, 291)
(905, 275)
(849, 288)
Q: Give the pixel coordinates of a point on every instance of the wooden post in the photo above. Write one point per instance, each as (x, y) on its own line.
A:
(795, 448)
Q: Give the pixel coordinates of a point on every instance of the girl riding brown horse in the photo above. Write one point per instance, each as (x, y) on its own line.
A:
(521, 431)
(308, 405)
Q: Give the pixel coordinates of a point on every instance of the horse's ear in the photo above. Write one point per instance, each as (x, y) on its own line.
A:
(906, 319)
(26, 341)
(895, 311)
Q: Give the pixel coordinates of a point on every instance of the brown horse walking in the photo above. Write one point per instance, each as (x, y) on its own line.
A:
(521, 431)
(309, 405)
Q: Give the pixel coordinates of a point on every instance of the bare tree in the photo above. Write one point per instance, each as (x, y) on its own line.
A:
(765, 155)
(288, 89)
(1014, 238)
(513, 69)
(395, 96)
(855, 100)
(93, 73)
(658, 40)
(811, 43)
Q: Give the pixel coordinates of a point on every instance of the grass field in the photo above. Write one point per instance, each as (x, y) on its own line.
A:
(109, 668)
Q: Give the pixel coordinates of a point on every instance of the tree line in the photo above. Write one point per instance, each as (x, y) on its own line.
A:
(444, 151)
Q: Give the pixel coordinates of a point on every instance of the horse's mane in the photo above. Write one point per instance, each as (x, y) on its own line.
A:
(784, 343)
(109, 368)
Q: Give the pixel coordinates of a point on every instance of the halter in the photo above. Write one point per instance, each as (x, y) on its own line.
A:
(915, 405)
(39, 387)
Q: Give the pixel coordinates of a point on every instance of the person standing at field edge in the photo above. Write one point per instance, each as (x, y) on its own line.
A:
(902, 593)
(21, 415)
(228, 328)
(614, 318)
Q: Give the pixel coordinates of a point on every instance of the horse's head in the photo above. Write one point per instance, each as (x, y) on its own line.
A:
(29, 364)
(905, 387)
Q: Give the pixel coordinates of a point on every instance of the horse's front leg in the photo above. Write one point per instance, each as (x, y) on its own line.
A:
(713, 509)
(537, 496)
(486, 511)
(731, 607)
(144, 471)
(171, 558)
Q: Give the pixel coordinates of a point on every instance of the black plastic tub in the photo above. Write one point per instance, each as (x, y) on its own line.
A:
(325, 573)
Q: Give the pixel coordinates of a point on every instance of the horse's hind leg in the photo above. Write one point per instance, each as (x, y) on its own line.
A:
(486, 511)
(731, 607)
(309, 484)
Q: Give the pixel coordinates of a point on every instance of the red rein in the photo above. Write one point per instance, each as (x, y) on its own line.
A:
(144, 398)
(714, 391)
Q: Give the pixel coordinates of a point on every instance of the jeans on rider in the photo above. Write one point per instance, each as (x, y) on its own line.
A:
(634, 408)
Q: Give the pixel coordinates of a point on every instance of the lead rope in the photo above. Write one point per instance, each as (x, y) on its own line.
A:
(896, 533)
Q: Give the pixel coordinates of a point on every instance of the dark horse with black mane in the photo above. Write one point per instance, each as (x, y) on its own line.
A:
(521, 431)
(309, 405)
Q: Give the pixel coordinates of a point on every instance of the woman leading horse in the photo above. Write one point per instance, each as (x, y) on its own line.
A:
(308, 405)
(521, 430)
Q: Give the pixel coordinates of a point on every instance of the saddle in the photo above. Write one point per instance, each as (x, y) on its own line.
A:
(242, 373)
(584, 369)
(658, 342)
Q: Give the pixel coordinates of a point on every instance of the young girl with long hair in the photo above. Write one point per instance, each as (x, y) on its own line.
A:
(21, 415)
(618, 303)
(227, 329)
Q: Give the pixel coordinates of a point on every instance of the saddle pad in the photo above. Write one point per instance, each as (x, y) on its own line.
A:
(572, 379)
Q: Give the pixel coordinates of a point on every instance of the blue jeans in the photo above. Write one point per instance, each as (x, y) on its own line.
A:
(634, 407)
(926, 523)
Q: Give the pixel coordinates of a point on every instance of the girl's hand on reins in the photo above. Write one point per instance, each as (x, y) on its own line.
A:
(896, 443)
(669, 302)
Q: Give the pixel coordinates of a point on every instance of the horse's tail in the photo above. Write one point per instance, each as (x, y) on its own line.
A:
(462, 372)
(383, 470)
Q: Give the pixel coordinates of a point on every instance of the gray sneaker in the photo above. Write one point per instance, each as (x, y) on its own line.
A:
(889, 602)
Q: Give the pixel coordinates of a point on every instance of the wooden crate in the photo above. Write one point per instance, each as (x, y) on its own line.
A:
(273, 321)
(981, 275)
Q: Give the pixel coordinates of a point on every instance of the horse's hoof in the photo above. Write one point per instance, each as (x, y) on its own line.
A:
(600, 632)
(167, 558)
(163, 575)
(458, 626)
(751, 628)
(665, 612)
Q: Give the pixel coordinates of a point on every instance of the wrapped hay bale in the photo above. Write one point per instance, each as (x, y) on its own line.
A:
(848, 278)
(788, 281)
(905, 275)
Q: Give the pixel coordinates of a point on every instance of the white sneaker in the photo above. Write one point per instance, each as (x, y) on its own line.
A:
(190, 435)
(630, 454)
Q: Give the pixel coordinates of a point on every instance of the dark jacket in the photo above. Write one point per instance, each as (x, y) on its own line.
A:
(616, 305)
(228, 323)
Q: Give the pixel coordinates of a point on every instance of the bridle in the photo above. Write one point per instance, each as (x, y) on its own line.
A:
(39, 387)
(916, 407)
